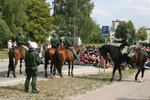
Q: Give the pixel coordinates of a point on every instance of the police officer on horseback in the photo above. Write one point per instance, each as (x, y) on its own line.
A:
(55, 41)
(68, 43)
(20, 39)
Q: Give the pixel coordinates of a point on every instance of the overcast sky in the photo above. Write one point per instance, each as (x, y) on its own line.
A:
(107, 10)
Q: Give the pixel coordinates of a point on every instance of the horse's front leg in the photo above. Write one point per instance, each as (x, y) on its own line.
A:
(72, 68)
(113, 74)
(119, 69)
(8, 70)
(46, 64)
(137, 74)
(45, 67)
(21, 66)
(143, 70)
(14, 73)
(68, 68)
(142, 75)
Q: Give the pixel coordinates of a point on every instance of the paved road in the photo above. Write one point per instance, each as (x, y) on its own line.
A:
(127, 89)
(78, 70)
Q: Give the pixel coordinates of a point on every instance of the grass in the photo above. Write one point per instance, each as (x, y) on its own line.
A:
(59, 89)
(4, 53)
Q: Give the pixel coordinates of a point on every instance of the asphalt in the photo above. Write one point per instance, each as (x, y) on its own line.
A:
(127, 89)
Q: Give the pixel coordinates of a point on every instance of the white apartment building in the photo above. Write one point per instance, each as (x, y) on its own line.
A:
(148, 35)
(113, 29)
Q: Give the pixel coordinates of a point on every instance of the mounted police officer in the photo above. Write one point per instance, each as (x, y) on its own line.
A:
(68, 43)
(126, 42)
(55, 41)
(20, 39)
(32, 60)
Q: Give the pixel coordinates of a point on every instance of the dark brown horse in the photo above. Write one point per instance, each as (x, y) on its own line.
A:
(49, 56)
(63, 55)
(138, 57)
(116, 56)
(15, 54)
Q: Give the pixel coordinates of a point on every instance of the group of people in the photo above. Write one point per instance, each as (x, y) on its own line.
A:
(32, 58)
(90, 56)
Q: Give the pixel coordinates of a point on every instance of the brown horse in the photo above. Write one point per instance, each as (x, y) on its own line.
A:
(49, 56)
(63, 55)
(15, 54)
(137, 57)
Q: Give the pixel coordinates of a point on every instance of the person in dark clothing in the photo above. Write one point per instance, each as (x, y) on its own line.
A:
(68, 43)
(55, 41)
(32, 60)
(20, 40)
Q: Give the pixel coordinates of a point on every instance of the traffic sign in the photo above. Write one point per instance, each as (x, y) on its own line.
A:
(105, 31)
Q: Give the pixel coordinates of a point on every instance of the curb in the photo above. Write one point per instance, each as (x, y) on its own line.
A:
(4, 60)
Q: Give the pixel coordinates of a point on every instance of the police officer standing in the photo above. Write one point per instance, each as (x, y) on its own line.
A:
(55, 41)
(68, 43)
(32, 60)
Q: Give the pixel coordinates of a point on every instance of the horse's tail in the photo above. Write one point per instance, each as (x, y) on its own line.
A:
(11, 61)
(57, 61)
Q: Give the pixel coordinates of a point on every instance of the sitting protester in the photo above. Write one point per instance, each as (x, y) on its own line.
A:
(147, 64)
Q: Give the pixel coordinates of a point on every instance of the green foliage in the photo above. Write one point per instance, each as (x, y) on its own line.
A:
(73, 16)
(5, 32)
(13, 12)
(40, 21)
(141, 34)
(126, 30)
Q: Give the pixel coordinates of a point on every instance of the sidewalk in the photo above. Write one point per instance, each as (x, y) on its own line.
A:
(78, 70)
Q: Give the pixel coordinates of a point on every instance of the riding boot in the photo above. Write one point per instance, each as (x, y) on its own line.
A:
(75, 54)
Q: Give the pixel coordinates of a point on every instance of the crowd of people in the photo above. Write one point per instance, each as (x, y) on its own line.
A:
(90, 55)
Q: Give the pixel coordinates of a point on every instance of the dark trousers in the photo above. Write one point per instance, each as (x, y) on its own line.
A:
(31, 74)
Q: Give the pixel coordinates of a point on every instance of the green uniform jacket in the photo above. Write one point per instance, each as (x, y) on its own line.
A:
(20, 40)
(32, 59)
(55, 41)
(68, 41)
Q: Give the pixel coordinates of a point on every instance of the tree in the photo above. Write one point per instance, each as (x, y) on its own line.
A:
(73, 16)
(5, 32)
(40, 22)
(13, 12)
(141, 34)
(126, 30)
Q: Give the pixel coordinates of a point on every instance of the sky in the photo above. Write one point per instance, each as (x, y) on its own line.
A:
(106, 11)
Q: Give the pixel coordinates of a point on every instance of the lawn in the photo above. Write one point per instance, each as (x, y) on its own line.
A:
(61, 88)
(4, 53)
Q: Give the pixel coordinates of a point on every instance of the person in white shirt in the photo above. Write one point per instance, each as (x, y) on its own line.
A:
(9, 44)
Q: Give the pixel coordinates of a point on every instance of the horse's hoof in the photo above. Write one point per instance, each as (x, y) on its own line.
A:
(20, 72)
(120, 79)
(14, 76)
(72, 75)
(140, 80)
(111, 80)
